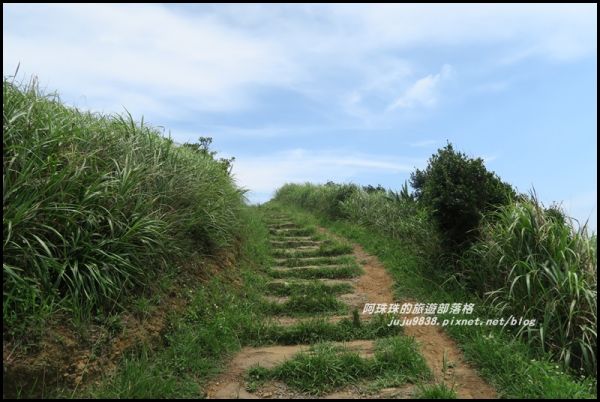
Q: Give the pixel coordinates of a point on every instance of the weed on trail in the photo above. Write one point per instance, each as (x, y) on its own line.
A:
(319, 329)
(311, 297)
(436, 391)
(322, 251)
(307, 304)
(341, 272)
(304, 288)
(327, 367)
(300, 262)
(296, 243)
(308, 231)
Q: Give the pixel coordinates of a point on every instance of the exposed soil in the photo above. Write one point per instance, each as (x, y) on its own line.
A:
(68, 359)
(434, 344)
(433, 341)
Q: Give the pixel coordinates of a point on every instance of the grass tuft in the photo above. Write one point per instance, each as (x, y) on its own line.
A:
(326, 367)
(436, 391)
(307, 304)
(307, 288)
(342, 272)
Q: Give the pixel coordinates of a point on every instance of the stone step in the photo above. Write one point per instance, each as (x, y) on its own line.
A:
(284, 225)
(287, 231)
(294, 249)
(296, 243)
(284, 268)
(312, 281)
(296, 238)
(352, 300)
(285, 321)
(310, 259)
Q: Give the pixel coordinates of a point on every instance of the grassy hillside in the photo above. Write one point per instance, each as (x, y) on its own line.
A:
(522, 259)
(515, 368)
(97, 206)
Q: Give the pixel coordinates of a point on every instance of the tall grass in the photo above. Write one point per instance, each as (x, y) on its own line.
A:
(324, 200)
(396, 215)
(533, 262)
(95, 205)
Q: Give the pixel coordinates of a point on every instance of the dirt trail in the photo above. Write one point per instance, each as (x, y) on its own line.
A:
(375, 286)
(436, 346)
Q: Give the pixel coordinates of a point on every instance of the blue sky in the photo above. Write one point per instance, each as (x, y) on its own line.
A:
(361, 93)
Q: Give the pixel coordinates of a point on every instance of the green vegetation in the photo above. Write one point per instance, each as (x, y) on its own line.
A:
(324, 200)
(471, 238)
(326, 367)
(323, 250)
(436, 391)
(97, 206)
(517, 370)
(457, 190)
(341, 272)
(293, 243)
(395, 214)
(311, 261)
(219, 320)
(103, 216)
(304, 288)
(309, 231)
(318, 329)
(531, 263)
(306, 304)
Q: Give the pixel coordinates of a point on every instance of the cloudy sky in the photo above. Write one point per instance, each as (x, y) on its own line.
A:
(361, 93)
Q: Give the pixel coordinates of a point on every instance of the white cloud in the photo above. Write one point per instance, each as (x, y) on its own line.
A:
(146, 49)
(213, 57)
(423, 144)
(561, 32)
(584, 207)
(489, 158)
(381, 81)
(264, 174)
(424, 92)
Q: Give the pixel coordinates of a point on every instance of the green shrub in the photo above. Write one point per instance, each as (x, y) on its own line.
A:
(457, 190)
